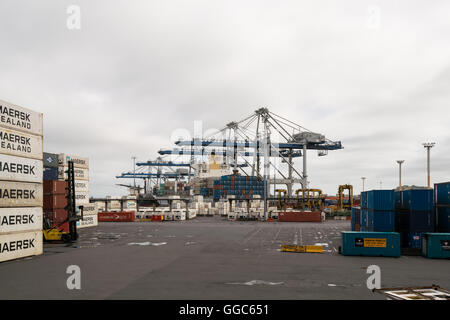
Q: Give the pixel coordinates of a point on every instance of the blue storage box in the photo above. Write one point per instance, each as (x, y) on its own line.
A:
(382, 221)
(380, 199)
(386, 244)
(443, 219)
(442, 193)
(436, 245)
(417, 199)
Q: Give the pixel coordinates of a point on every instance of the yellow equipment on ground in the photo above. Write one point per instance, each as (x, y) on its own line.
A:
(280, 202)
(309, 198)
(341, 204)
(301, 249)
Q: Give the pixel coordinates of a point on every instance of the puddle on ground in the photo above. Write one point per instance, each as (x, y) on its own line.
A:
(148, 243)
(257, 282)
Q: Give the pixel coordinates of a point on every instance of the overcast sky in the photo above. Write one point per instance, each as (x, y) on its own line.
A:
(372, 74)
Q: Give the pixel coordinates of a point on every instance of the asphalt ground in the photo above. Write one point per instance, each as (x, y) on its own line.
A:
(210, 258)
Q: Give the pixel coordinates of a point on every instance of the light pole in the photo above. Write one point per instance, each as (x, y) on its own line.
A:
(428, 146)
(363, 179)
(400, 173)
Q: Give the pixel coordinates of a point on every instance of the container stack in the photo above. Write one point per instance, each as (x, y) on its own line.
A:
(81, 171)
(55, 203)
(414, 215)
(21, 173)
(377, 211)
(243, 187)
(442, 205)
(356, 219)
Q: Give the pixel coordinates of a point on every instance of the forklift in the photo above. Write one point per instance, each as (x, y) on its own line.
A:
(54, 234)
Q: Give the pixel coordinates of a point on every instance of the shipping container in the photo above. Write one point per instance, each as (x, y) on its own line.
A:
(78, 162)
(55, 187)
(415, 221)
(15, 143)
(293, 216)
(380, 199)
(20, 245)
(81, 198)
(89, 209)
(58, 201)
(124, 216)
(364, 200)
(50, 173)
(21, 119)
(380, 221)
(385, 244)
(20, 219)
(20, 169)
(417, 199)
(50, 160)
(20, 194)
(88, 221)
(442, 193)
(443, 219)
(364, 220)
(436, 245)
(356, 218)
(80, 173)
(81, 186)
(411, 240)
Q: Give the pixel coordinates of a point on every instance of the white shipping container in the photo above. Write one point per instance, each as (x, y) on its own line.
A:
(20, 169)
(20, 219)
(20, 194)
(80, 173)
(88, 221)
(89, 209)
(20, 119)
(78, 162)
(81, 198)
(20, 245)
(16, 143)
(81, 185)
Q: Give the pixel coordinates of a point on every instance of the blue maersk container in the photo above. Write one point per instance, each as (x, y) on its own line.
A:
(385, 244)
(380, 199)
(442, 193)
(436, 245)
(381, 221)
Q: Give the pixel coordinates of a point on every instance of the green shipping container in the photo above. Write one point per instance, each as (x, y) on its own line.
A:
(436, 245)
(374, 244)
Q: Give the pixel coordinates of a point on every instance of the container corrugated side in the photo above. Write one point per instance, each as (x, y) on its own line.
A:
(80, 173)
(20, 219)
(20, 245)
(381, 220)
(20, 194)
(442, 193)
(418, 199)
(88, 221)
(15, 143)
(20, 169)
(380, 200)
(443, 219)
(20, 119)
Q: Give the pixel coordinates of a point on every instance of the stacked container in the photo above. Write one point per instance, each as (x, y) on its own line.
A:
(414, 215)
(55, 203)
(442, 205)
(21, 173)
(377, 211)
(356, 219)
(243, 187)
(81, 172)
